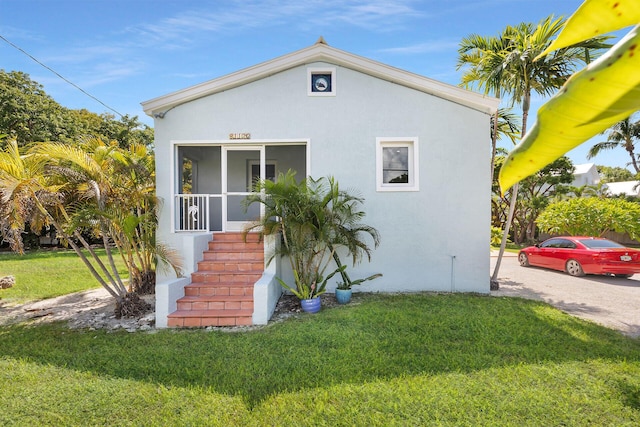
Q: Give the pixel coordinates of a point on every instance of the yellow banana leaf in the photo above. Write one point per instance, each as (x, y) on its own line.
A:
(596, 17)
(591, 101)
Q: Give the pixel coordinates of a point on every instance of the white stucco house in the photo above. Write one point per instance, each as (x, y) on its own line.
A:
(585, 174)
(414, 148)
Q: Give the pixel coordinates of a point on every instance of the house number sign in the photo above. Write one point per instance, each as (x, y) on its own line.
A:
(240, 135)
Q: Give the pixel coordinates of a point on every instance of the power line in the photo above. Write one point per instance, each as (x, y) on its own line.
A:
(59, 75)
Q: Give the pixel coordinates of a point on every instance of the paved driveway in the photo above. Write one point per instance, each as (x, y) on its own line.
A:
(609, 301)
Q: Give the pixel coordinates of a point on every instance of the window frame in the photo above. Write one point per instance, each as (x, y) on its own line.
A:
(254, 163)
(413, 163)
(311, 71)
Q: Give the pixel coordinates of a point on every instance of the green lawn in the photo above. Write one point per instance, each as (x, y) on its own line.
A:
(509, 248)
(405, 360)
(47, 274)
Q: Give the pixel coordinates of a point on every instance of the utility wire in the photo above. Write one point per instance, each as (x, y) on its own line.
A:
(58, 74)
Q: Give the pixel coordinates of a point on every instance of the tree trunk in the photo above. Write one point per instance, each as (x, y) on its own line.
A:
(494, 143)
(629, 148)
(493, 283)
(78, 251)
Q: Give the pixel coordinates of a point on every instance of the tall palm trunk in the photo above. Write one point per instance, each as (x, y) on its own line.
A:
(494, 284)
(629, 147)
(494, 141)
(77, 249)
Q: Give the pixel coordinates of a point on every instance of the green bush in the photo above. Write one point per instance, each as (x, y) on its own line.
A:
(591, 217)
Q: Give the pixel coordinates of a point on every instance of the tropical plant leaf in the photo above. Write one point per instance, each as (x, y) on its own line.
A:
(596, 17)
(592, 100)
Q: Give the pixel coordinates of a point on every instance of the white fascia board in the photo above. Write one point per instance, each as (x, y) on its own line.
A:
(323, 53)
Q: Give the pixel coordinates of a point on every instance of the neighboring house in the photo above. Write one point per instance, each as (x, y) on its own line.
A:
(414, 148)
(585, 174)
(629, 188)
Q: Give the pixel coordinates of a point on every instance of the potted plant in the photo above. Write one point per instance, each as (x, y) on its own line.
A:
(343, 293)
(343, 290)
(313, 218)
(309, 295)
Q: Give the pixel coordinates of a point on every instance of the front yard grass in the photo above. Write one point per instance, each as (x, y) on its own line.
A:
(384, 360)
(45, 274)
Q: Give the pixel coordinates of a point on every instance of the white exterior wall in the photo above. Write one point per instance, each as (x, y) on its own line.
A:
(421, 232)
(586, 174)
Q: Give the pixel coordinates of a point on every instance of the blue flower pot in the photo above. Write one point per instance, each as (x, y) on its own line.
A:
(310, 305)
(343, 296)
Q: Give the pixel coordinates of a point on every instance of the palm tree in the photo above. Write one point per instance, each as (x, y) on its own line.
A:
(508, 126)
(132, 216)
(484, 58)
(595, 98)
(31, 195)
(314, 218)
(114, 189)
(94, 186)
(623, 134)
(511, 66)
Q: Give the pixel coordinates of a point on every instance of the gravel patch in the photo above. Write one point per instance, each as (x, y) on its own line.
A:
(94, 309)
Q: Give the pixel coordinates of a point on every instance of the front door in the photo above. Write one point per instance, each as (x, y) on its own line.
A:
(241, 166)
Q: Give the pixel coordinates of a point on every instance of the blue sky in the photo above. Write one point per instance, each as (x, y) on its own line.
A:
(124, 52)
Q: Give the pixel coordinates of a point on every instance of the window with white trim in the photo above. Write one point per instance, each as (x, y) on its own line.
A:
(397, 164)
(321, 81)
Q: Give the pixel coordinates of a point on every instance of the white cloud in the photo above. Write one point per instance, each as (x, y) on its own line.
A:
(430, 46)
(234, 16)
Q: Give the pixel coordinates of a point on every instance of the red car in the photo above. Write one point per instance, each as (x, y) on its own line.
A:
(582, 255)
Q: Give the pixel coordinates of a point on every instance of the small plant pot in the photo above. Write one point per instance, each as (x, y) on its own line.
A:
(310, 305)
(343, 296)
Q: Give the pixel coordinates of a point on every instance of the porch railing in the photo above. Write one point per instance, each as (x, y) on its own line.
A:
(192, 212)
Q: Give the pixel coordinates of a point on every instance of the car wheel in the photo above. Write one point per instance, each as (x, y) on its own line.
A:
(523, 259)
(574, 268)
(623, 276)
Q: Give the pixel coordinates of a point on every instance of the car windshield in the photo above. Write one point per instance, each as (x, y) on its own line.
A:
(600, 243)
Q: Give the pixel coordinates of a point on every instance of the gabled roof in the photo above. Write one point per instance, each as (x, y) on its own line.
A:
(584, 168)
(321, 52)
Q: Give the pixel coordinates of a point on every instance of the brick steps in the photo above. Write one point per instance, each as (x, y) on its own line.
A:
(221, 290)
(242, 302)
(225, 266)
(203, 318)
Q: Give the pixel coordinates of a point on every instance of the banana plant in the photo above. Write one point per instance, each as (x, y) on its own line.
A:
(592, 100)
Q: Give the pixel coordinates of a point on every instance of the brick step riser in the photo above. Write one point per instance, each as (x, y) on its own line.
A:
(235, 246)
(211, 313)
(212, 278)
(215, 305)
(223, 298)
(218, 291)
(202, 322)
(234, 256)
(231, 267)
(236, 237)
